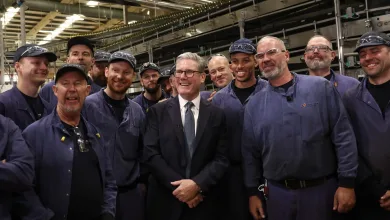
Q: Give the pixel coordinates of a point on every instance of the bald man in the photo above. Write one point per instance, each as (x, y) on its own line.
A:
(318, 56)
(220, 73)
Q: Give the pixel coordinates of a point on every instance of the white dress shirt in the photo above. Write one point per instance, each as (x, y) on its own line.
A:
(194, 109)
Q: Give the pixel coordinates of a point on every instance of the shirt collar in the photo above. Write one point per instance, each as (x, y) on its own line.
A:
(196, 101)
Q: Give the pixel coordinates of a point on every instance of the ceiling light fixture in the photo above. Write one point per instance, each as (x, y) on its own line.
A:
(92, 4)
(68, 22)
(8, 15)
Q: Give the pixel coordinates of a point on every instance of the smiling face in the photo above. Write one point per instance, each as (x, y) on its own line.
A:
(71, 90)
(322, 56)
(120, 76)
(188, 87)
(220, 72)
(243, 66)
(375, 60)
(33, 69)
(272, 66)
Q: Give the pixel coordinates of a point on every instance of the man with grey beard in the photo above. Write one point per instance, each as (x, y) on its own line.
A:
(297, 137)
(318, 57)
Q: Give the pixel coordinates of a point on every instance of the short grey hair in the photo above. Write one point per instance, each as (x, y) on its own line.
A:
(273, 38)
(322, 36)
(195, 57)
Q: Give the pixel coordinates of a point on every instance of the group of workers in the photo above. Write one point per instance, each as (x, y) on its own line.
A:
(291, 147)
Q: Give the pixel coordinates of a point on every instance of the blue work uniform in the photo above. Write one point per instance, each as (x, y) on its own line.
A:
(342, 83)
(124, 141)
(300, 134)
(143, 102)
(233, 198)
(372, 130)
(17, 172)
(47, 91)
(52, 147)
(205, 94)
(14, 106)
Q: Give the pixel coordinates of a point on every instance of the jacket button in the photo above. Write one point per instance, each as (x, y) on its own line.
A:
(69, 171)
(67, 194)
(70, 148)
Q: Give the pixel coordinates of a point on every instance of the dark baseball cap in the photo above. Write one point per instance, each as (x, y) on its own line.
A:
(243, 45)
(102, 56)
(123, 56)
(70, 68)
(149, 66)
(372, 38)
(33, 50)
(79, 41)
(165, 74)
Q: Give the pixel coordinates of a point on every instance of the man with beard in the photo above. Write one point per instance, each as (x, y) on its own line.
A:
(220, 73)
(99, 67)
(318, 57)
(22, 103)
(368, 108)
(149, 74)
(121, 122)
(73, 175)
(80, 51)
(298, 138)
(232, 99)
(164, 82)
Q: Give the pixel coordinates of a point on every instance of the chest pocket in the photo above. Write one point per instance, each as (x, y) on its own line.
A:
(128, 141)
(312, 127)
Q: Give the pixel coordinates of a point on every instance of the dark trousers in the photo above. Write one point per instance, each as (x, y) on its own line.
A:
(368, 208)
(302, 204)
(130, 205)
(233, 201)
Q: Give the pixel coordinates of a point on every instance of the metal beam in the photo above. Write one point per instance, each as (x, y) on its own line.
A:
(109, 24)
(45, 21)
(41, 5)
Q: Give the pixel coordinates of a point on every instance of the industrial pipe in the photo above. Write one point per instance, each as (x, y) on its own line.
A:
(2, 60)
(339, 34)
(22, 25)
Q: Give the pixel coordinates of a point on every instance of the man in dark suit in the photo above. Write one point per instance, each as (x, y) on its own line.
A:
(185, 149)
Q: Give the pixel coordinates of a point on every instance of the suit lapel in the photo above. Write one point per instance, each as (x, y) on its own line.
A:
(204, 114)
(175, 115)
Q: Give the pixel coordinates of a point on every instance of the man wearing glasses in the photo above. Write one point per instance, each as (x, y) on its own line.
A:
(232, 99)
(22, 103)
(121, 122)
(80, 51)
(319, 56)
(220, 73)
(73, 175)
(185, 149)
(99, 67)
(368, 108)
(298, 138)
(149, 74)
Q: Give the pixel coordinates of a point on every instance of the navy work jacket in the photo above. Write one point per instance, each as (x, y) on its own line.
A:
(124, 139)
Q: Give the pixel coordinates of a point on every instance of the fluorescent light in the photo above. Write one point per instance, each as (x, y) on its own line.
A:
(207, 1)
(132, 22)
(68, 23)
(148, 13)
(8, 15)
(92, 3)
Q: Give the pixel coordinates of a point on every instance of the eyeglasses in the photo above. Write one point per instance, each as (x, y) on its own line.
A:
(372, 39)
(187, 73)
(80, 140)
(242, 47)
(270, 53)
(215, 55)
(35, 49)
(320, 48)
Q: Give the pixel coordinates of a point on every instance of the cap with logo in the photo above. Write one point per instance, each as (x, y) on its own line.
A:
(165, 74)
(79, 41)
(149, 66)
(243, 45)
(33, 50)
(102, 56)
(123, 56)
(372, 38)
(66, 68)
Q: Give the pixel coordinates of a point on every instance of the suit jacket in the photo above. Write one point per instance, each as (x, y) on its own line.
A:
(165, 156)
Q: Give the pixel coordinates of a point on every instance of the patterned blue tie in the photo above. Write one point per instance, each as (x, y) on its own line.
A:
(189, 131)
